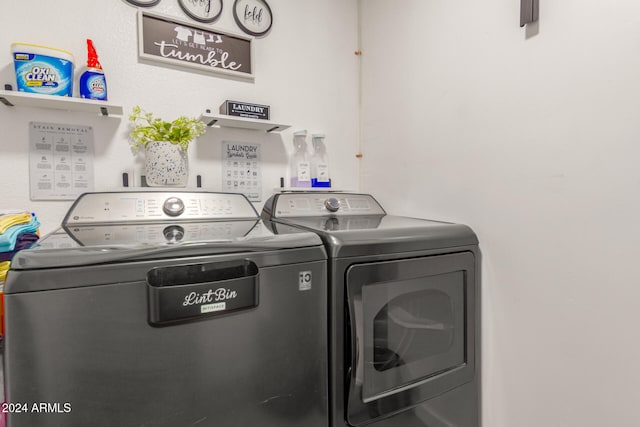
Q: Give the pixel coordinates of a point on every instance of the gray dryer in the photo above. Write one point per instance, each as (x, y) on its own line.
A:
(404, 310)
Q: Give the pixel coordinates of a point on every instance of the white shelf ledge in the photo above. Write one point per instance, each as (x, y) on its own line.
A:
(12, 98)
(222, 120)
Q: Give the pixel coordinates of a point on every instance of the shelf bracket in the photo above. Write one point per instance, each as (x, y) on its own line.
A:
(248, 123)
(529, 11)
(6, 102)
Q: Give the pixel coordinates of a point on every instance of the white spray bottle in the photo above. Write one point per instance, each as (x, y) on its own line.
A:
(299, 166)
(319, 164)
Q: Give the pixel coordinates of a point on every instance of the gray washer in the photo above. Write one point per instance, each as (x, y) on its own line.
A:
(404, 310)
(125, 323)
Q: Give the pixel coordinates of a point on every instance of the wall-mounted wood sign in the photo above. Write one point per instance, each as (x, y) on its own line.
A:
(172, 41)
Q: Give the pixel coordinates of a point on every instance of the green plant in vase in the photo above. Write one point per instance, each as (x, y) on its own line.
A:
(165, 145)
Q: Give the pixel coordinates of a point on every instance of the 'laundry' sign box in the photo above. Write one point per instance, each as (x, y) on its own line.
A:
(244, 109)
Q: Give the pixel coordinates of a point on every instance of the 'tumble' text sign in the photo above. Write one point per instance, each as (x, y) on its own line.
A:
(172, 41)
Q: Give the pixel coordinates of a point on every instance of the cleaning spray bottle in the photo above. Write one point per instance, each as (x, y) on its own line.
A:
(299, 166)
(319, 164)
(93, 85)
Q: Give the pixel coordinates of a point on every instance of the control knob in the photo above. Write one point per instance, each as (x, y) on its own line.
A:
(173, 206)
(332, 204)
(173, 233)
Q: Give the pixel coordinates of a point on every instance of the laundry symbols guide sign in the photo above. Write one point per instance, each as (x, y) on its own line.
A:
(60, 161)
(241, 169)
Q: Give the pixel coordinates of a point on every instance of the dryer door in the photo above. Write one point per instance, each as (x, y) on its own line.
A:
(412, 332)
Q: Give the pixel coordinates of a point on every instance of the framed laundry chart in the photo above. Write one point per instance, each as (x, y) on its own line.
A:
(60, 161)
(241, 169)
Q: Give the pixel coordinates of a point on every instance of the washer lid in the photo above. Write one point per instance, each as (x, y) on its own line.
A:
(137, 242)
(128, 226)
(359, 226)
(376, 235)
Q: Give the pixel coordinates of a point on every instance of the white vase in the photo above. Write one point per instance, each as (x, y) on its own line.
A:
(165, 165)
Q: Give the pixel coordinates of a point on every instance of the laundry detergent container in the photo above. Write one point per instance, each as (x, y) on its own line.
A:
(43, 70)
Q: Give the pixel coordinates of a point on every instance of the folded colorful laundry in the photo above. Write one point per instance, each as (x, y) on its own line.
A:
(9, 220)
(4, 267)
(9, 238)
(24, 241)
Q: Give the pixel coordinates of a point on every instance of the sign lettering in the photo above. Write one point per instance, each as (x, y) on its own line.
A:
(171, 41)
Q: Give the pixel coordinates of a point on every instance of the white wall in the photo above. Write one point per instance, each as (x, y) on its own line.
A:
(535, 143)
(305, 69)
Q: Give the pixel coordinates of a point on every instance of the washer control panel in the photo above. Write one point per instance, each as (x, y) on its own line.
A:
(321, 204)
(149, 206)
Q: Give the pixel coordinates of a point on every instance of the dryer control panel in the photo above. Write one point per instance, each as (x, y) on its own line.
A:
(308, 204)
(151, 206)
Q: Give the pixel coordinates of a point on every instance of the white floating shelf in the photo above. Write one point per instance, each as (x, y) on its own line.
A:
(12, 98)
(241, 122)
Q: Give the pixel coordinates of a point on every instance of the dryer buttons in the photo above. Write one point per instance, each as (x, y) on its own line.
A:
(173, 206)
